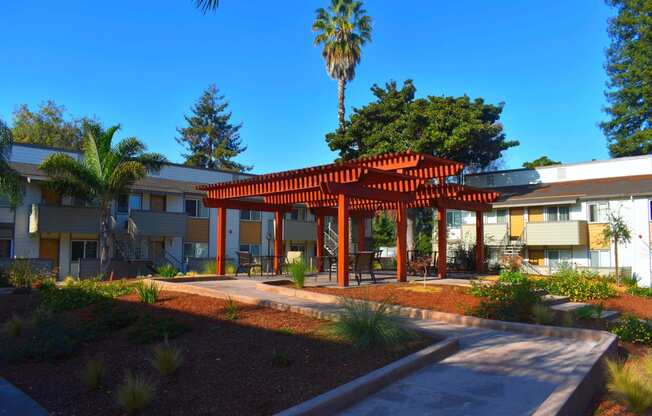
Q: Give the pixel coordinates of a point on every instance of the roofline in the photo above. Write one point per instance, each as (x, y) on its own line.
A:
(181, 165)
(590, 162)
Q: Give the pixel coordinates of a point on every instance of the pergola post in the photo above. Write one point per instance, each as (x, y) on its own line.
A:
(220, 255)
(479, 242)
(320, 242)
(441, 240)
(343, 240)
(401, 243)
(361, 233)
(278, 241)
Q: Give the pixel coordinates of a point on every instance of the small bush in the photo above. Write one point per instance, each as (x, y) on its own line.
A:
(542, 315)
(148, 292)
(281, 358)
(578, 286)
(367, 327)
(21, 274)
(589, 312)
(78, 293)
(632, 329)
(629, 385)
(14, 326)
(148, 330)
(644, 292)
(298, 273)
(51, 341)
(514, 277)
(135, 394)
(93, 374)
(166, 358)
(210, 267)
(506, 301)
(167, 270)
(47, 284)
(230, 268)
(231, 309)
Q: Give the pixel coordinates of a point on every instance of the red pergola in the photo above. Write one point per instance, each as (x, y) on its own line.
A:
(357, 188)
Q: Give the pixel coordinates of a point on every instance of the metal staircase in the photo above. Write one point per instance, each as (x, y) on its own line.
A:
(330, 239)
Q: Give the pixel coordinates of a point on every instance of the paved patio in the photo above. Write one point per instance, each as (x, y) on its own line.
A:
(494, 373)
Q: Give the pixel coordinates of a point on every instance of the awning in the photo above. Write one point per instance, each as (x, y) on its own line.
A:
(528, 202)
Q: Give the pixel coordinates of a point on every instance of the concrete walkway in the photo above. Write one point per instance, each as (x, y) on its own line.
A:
(494, 373)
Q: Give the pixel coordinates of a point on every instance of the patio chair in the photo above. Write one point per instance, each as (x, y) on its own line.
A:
(364, 263)
(247, 262)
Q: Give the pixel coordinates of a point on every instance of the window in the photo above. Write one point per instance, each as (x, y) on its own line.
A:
(650, 210)
(557, 257)
(157, 203)
(123, 204)
(298, 247)
(501, 216)
(135, 202)
(293, 215)
(5, 249)
(83, 250)
(454, 218)
(490, 180)
(557, 213)
(600, 258)
(253, 249)
(250, 215)
(195, 250)
(598, 212)
(196, 208)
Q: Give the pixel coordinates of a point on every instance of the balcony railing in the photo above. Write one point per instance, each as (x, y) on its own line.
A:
(157, 224)
(494, 234)
(556, 233)
(64, 219)
(299, 230)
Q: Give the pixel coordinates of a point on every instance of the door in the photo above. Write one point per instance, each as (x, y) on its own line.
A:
(156, 250)
(157, 203)
(515, 223)
(536, 256)
(49, 250)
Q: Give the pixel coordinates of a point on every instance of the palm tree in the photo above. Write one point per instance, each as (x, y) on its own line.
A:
(104, 173)
(616, 232)
(207, 5)
(343, 29)
(11, 184)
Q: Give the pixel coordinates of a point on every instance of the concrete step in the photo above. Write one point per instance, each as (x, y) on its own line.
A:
(568, 306)
(552, 300)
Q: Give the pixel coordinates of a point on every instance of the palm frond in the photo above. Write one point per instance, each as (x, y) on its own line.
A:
(153, 162)
(124, 176)
(129, 148)
(207, 5)
(63, 168)
(11, 184)
(92, 156)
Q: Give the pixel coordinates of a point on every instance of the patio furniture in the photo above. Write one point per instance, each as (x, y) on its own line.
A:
(247, 262)
(363, 262)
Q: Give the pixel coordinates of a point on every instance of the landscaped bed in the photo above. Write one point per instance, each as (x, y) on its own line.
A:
(261, 362)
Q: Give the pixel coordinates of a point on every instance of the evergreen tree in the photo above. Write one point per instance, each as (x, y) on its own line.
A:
(629, 67)
(542, 161)
(212, 141)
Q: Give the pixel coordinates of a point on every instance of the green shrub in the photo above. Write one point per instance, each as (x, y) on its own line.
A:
(47, 284)
(506, 301)
(79, 293)
(107, 318)
(514, 277)
(644, 292)
(93, 374)
(297, 271)
(366, 326)
(148, 292)
(578, 286)
(14, 326)
(135, 394)
(590, 312)
(21, 274)
(166, 358)
(281, 358)
(167, 270)
(629, 385)
(230, 268)
(542, 315)
(51, 341)
(209, 267)
(632, 329)
(231, 309)
(148, 330)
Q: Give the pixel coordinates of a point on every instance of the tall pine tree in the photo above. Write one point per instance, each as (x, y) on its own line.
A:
(629, 66)
(210, 138)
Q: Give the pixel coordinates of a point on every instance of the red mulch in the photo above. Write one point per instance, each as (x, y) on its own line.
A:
(443, 298)
(630, 305)
(228, 365)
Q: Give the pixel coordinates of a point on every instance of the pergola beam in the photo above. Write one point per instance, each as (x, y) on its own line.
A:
(245, 205)
(360, 192)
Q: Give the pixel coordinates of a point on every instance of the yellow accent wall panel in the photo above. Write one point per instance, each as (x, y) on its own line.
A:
(250, 232)
(516, 222)
(596, 240)
(197, 230)
(535, 214)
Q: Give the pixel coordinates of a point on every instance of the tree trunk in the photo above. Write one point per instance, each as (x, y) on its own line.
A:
(616, 260)
(435, 236)
(341, 86)
(104, 239)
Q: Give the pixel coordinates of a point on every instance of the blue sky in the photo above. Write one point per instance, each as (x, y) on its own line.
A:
(143, 63)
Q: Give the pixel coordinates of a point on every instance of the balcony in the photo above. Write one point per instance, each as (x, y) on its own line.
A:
(294, 230)
(64, 219)
(556, 233)
(494, 234)
(157, 224)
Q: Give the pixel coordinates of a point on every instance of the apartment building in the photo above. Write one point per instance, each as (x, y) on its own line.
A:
(556, 214)
(160, 220)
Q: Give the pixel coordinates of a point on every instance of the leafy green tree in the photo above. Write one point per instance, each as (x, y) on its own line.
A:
(384, 230)
(616, 232)
(212, 141)
(11, 184)
(48, 126)
(342, 29)
(104, 173)
(542, 161)
(629, 67)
